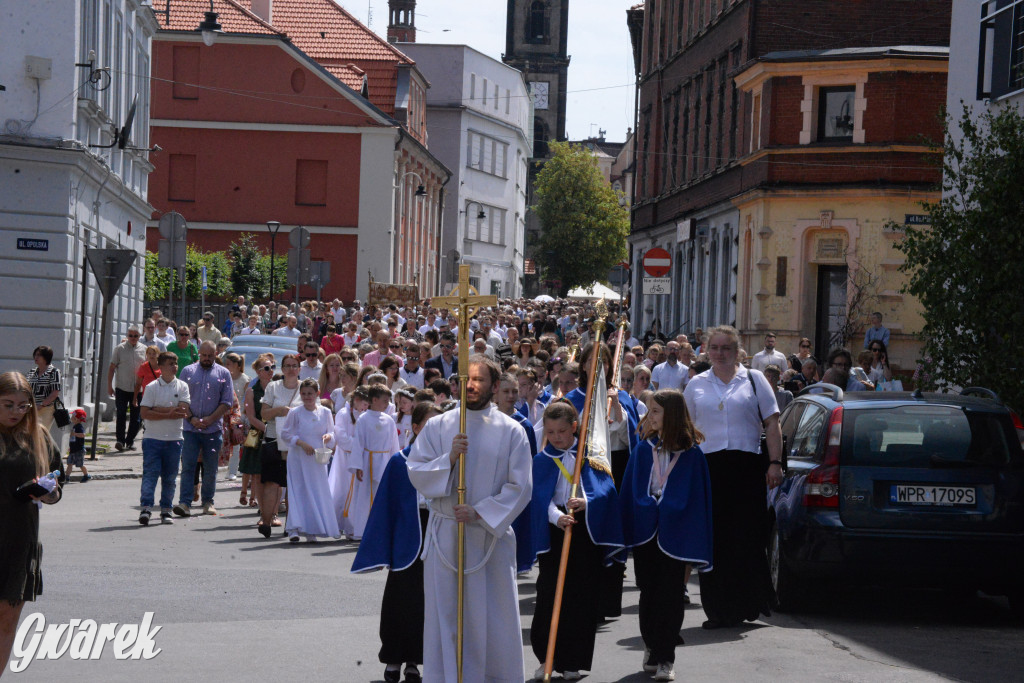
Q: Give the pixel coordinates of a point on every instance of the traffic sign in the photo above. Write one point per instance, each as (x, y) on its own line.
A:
(657, 262)
(204, 278)
(657, 285)
(110, 266)
(299, 238)
(298, 266)
(320, 272)
(172, 226)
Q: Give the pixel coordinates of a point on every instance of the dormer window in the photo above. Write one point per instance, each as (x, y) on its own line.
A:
(836, 114)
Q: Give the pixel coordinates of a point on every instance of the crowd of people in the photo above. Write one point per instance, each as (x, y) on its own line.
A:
(355, 436)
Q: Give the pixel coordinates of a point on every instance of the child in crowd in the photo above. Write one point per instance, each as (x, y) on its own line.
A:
(374, 440)
(393, 539)
(306, 429)
(404, 400)
(342, 482)
(666, 517)
(556, 506)
(76, 447)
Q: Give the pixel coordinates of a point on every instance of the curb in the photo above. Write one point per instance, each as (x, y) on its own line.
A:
(131, 475)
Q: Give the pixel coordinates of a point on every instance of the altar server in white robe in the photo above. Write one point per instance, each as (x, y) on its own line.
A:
(374, 441)
(498, 488)
(308, 427)
(341, 481)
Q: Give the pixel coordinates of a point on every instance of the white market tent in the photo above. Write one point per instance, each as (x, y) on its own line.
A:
(598, 292)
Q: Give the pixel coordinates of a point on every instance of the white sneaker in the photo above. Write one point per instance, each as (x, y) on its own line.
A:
(648, 667)
(665, 672)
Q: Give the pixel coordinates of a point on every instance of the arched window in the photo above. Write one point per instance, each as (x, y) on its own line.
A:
(540, 139)
(537, 26)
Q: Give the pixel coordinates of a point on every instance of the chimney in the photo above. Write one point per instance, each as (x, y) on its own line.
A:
(264, 9)
(401, 21)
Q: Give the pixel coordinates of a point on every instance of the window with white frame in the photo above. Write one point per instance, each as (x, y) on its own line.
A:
(487, 154)
(835, 113)
(484, 223)
(1001, 48)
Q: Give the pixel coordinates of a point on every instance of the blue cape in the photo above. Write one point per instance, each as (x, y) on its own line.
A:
(681, 519)
(523, 410)
(393, 537)
(578, 397)
(521, 524)
(603, 519)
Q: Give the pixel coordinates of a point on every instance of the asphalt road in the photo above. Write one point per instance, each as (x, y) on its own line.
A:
(232, 606)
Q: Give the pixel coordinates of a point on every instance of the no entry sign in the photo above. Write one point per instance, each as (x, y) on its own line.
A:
(657, 262)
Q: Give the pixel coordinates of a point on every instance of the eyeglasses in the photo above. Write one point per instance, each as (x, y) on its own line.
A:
(805, 346)
(16, 408)
(133, 336)
(875, 349)
(207, 319)
(312, 355)
(396, 346)
(183, 334)
(268, 368)
(447, 346)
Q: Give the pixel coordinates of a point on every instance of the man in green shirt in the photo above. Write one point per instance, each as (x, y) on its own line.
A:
(186, 353)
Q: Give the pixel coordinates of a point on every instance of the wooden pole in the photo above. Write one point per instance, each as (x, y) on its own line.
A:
(556, 613)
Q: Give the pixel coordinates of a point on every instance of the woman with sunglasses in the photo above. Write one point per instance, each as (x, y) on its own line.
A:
(278, 399)
(804, 351)
(27, 453)
(181, 347)
(880, 370)
(249, 462)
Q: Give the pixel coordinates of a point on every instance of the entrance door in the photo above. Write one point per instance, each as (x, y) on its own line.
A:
(830, 308)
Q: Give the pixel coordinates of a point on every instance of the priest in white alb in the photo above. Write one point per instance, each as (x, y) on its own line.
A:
(498, 488)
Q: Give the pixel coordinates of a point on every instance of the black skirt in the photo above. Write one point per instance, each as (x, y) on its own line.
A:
(401, 612)
(577, 629)
(739, 587)
(273, 466)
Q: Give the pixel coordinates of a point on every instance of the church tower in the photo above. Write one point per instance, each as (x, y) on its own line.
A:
(401, 21)
(536, 41)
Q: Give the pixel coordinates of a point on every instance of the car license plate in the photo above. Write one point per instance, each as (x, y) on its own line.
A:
(924, 494)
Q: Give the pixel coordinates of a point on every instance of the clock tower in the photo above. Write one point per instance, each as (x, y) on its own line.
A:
(536, 39)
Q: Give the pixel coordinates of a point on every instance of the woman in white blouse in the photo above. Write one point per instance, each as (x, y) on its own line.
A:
(731, 405)
(279, 397)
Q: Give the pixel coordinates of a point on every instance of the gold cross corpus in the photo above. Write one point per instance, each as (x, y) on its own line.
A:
(466, 301)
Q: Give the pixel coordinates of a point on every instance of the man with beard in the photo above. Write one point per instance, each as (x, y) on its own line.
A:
(211, 394)
(498, 488)
(671, 374)
(768, 355)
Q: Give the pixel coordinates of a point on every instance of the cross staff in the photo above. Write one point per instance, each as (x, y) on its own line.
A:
(466, 301)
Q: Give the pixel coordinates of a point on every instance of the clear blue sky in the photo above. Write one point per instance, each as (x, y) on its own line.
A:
(598, 44)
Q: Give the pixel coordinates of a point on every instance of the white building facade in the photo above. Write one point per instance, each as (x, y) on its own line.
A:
(69, 79)
(479, 125)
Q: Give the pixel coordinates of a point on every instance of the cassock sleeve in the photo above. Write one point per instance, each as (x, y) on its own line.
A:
(430, 466)
(357, 449)
(290, 429)
(498, 512)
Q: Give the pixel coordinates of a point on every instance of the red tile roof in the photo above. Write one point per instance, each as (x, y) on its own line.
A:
(336, 39)
(185, 15)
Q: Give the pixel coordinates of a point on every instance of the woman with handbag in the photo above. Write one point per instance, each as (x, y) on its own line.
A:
(239, 426)
(731, 405)
(27, 453)
(45, 381)
(308, 434)
(278, 399)
(249, 461)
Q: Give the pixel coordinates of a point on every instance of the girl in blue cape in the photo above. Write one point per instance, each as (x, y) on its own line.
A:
(596, 541)
(666, 519)
(393, 539)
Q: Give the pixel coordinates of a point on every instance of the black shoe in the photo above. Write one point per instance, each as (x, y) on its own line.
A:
(412, 674)
(264, 529)
(392, 675)
(166, 517)
(144, 516)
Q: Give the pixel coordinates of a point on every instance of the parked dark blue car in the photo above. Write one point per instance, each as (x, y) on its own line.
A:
(894, 487)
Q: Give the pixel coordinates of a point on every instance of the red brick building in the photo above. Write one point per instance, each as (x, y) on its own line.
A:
(299, 114)
(695, 124)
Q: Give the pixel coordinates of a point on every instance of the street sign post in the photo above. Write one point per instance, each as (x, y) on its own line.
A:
(319, 275)
(171, 253)
(298, 259)
(657, 262)
(109, 266)
(202, 304)
(657, 285)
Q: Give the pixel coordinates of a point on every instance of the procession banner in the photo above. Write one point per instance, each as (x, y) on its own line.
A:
(384, 293)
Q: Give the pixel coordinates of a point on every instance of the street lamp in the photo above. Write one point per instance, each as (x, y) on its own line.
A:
(209, 27)
(272, 227)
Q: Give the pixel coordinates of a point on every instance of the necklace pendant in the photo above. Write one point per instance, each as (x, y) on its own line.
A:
(721, 405)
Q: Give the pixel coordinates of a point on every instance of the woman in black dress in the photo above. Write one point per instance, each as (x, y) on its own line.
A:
(26, 453)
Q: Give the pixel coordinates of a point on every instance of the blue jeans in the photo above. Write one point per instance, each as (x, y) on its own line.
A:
(159, 461)
(196, 444)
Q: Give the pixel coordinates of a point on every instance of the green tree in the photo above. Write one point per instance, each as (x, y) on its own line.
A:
(585, 227)
(250, 268)
(967, 268)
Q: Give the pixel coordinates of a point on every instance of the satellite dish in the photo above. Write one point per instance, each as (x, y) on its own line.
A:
(126, 130)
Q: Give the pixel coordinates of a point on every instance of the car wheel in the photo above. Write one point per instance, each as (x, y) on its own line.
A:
(783, 580)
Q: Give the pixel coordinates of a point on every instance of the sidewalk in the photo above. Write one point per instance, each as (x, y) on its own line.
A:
(109, 464)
